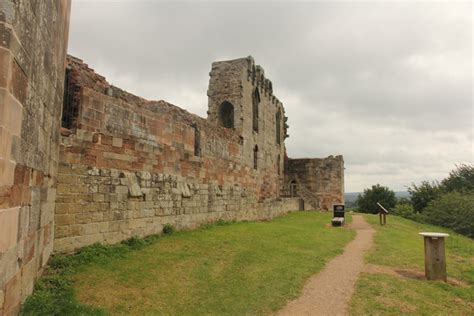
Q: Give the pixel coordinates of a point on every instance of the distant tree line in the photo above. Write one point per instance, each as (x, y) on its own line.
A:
(448, 203)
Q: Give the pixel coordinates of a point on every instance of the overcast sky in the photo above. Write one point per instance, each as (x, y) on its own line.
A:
(386, 84)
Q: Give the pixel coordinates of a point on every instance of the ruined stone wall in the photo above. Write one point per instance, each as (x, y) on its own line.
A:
(322, 177)
(237, 81)
(128, 166)
(33, 42)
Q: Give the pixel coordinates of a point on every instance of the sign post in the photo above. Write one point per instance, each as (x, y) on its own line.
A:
(435, 258)
(339, 215)
(382, 214)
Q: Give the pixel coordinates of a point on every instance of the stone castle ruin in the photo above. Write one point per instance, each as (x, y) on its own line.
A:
(82, 161)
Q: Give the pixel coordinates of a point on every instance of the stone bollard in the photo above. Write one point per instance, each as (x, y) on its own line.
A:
(435, 259)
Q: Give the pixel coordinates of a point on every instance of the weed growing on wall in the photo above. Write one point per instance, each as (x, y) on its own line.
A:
(168, 229)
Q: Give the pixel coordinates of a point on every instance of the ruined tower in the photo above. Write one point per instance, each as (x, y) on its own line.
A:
(242, 99)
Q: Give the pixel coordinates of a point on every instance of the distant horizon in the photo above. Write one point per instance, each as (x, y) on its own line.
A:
(363, 191)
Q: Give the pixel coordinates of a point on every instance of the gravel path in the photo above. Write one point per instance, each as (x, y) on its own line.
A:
(329, 292)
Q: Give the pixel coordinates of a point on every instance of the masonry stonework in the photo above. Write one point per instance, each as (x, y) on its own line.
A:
(33, 42)
(320, 181)
(82, 161)
(128, 166)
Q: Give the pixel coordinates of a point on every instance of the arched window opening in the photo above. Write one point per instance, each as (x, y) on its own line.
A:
(255, 103)
(278, 164)
(70, 101)
(293, 188)
(197, 140)
(255, 157)
(226, 114)
(278, 127)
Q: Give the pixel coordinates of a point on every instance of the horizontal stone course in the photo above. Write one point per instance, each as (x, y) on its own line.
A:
(117, 214)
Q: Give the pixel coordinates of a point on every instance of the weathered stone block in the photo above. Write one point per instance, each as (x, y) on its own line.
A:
(121, 189)
(8, 228)
(15, 114)
(2, 299)
(19, 83)
(28, 273)
(65, 244)
(47, 213)
(29, 247)
(7, 170)
(117, 142)
(133, 186)
(5, 67)
(13, 295)
(64, 219)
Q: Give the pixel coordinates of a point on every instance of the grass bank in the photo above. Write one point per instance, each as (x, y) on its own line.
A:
(398, 246)
(239, 268)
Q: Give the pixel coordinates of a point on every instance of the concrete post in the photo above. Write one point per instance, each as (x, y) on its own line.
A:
(435, 259)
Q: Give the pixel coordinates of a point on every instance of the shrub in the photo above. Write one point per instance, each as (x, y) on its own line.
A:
(168, 229)
(137, 243)
(367, 202)
(404, 200)
(421, 195)
(453, 210)
(405, 210)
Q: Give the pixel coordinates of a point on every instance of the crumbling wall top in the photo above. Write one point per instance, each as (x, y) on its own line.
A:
(254, 74)
(85, 76)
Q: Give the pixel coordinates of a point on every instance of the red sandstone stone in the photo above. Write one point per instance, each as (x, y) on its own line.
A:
(16, 193)
(11, 305)
(29, 248)
(5, 196)
(21, 175)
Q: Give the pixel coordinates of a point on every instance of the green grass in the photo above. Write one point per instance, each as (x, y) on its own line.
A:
(398, 245)
(239, 268)
(54, 293)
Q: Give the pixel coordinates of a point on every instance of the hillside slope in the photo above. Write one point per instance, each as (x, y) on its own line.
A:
(394, 282)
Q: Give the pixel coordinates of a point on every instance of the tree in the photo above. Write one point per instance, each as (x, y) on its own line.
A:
(405, 210)
(403, 200)
(367, 202)
(454, 210)
(423, 194)
(460, 179)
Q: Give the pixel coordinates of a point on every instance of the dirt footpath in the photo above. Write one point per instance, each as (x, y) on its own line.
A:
(329, 292)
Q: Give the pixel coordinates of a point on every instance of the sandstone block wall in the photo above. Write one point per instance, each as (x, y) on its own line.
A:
(128, 166)
(241, 82)
(33, 42)
(109, 205)
(321, 178)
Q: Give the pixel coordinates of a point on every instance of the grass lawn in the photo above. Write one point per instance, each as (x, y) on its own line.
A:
(398, 245)
(238, 268)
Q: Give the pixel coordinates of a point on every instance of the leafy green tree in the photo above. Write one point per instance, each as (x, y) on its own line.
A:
(367, 201)
(403, 200)
(454, 210)
(460, 179)
(405, 210)
(421, 195)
